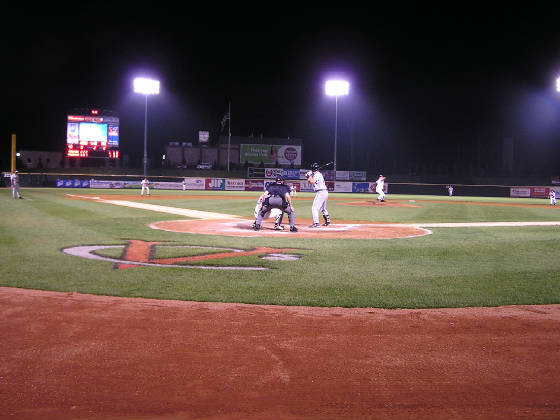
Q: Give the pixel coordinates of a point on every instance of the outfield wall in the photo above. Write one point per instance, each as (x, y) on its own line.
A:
(216, 184)
(252, 184)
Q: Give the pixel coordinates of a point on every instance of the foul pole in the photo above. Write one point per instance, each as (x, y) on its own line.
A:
(13, 156)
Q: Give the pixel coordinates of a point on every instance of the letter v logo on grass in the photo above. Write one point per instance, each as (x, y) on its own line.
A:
(138, 253)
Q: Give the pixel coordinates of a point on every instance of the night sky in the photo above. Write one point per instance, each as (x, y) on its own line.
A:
(432, 90)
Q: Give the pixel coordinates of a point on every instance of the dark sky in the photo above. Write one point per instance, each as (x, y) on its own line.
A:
(433, 90)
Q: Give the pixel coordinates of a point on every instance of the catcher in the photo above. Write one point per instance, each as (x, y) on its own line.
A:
(277, 214)
(276, 196)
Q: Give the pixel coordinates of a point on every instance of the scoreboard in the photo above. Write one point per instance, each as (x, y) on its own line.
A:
(92, 133)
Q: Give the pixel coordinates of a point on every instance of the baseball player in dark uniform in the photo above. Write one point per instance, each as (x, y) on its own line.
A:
(277, 196)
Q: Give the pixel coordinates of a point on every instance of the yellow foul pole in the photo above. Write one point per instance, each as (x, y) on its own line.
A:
(13, 160)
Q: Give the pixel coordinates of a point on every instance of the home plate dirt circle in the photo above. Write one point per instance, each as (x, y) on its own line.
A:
(340, 230)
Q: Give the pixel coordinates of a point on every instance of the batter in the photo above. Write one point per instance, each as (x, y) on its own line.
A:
(315, 178)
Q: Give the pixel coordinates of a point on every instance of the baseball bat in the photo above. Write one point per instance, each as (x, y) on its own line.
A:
(325, 165)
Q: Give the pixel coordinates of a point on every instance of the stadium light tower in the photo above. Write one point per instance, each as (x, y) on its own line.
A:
(336, 88)
(146, 87)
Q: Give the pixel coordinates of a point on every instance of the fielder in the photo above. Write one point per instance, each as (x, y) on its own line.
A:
(552, 196)
(14, 183)
(145, 187)
(379, 188)
(277, 196)
(315, 178)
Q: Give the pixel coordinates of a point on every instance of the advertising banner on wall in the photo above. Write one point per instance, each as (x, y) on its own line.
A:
(342, 186)
(235, 184)
(539, 192)
(254, 185)
(358, 175)
(270, 154)
(520, 192)
(167, 185)
(361, 187)
(94, 183)
(343, 175)
(292, 173)
(271, 173)
(195, 183)
(73, 183)
(215, 183)
(305, 186)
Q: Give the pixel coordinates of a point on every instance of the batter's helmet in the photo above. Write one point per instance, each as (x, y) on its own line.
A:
(314, 166)
(279, 179)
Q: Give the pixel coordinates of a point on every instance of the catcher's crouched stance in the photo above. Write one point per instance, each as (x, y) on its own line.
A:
(276, 196)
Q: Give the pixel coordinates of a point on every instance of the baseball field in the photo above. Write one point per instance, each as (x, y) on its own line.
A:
(118, 306)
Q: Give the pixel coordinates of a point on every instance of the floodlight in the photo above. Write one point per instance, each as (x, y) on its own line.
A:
(146, 86)
(558, 84)
(337, 87)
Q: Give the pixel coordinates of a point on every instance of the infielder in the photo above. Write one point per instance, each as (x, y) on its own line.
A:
(14, 183)
(145, 187)
(379, 188)
(552, 196)
(277, 196)
(315, 178)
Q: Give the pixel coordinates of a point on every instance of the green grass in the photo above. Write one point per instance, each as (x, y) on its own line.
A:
(453, 267)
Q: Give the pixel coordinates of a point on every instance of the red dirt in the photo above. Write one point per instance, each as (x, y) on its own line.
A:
(339, 230)
(68, 355)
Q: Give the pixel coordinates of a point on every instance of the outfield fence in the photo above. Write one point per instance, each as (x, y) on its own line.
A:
(240, 184)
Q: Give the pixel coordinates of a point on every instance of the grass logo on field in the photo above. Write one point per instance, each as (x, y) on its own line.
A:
(137, 253)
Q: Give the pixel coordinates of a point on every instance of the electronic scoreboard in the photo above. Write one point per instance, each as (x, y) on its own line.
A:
(92, 133)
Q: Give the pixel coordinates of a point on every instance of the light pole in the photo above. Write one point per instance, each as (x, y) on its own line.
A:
(146, 87)
(336, 88)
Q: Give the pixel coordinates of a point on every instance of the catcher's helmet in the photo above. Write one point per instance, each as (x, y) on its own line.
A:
(314, 166)
(279, 179)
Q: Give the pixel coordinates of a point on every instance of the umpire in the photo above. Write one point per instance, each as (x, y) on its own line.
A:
(277, 197)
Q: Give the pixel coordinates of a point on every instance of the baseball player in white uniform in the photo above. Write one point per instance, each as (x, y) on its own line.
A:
(145, 187)
(552, 196)
(14, 182)
(293, 191)
(379, 188)
(315, 178)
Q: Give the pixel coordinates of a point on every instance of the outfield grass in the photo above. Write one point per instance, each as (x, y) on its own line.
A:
(454, 267)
